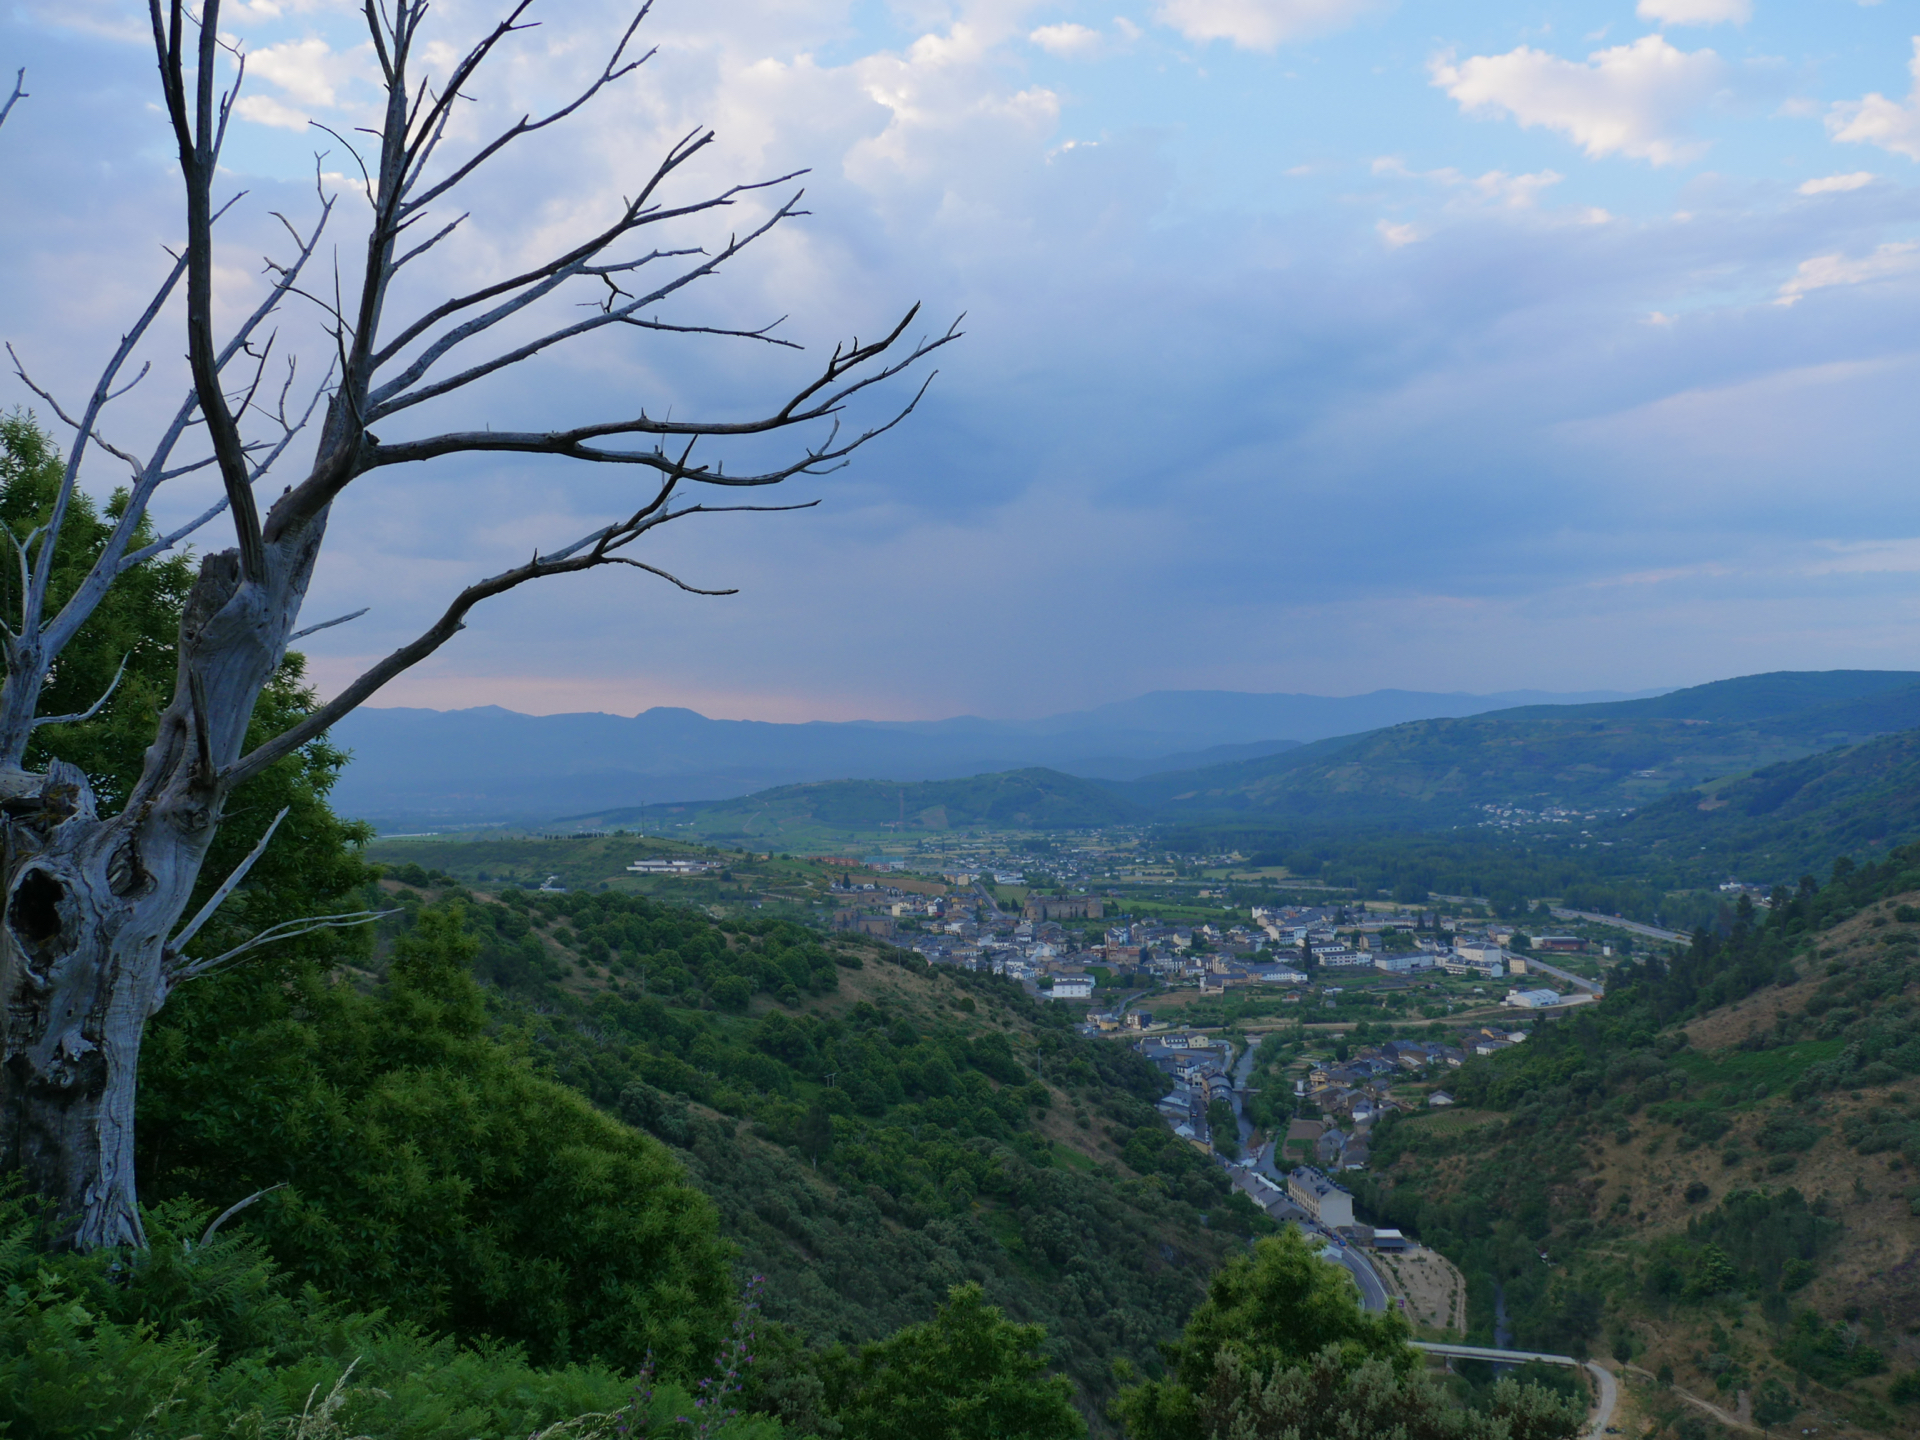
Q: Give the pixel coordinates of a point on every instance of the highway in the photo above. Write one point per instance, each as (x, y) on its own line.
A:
(1605, 1388)
(1534, 962)
(1652, 932)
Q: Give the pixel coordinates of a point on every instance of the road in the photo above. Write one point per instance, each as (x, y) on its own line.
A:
(1373, 1290)
(1534, 962)
(1652, 932)
(1605, 1388)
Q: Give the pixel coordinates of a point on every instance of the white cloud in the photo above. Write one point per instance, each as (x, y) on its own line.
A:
(265, 110)
(1495, 187)
(1696, 12)
(1070, 41)
(1825, 271)
(1876, 120)
(1258, 24)
(1629, 100)
(1398, 235)
(1833, 184)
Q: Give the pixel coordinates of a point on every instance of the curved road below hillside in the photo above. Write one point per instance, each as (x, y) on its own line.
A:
(1605, 1388)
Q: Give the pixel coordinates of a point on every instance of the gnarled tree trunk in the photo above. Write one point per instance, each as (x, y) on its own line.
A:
(91, 902)
(92, 920)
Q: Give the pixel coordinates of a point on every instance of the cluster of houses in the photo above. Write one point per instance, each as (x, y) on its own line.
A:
(1351, 1095)
(1200, 1075)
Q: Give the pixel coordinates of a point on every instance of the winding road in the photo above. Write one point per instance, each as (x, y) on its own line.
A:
(1605, 1388)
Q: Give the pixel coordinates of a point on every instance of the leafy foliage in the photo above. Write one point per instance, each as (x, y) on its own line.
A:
(966, 1374)
(1281, 1348)
(428, 1169)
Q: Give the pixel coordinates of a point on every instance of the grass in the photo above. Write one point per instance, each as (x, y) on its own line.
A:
(1453, 1121)
(1776, 1069)
(1073, 1158)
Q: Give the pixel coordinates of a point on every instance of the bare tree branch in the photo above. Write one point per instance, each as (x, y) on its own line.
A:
(93, 709)
(19, 94)
(287, 930)
(327, 624)
(234, 1209)
(198, 135)
(227, 886)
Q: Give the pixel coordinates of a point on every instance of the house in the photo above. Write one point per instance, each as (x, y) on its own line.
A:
(1072, 987)
(1439, 1098)
(1063, 907)
(1139, 1019)
(1314, 1193)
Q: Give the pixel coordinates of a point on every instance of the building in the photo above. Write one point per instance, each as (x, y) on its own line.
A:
(1139, 1019)
(1341, 957)
(1389, 1240)
(1565, 944)
(1064, 907)
(1072, 987)
(672, 867)
(1533, 999)
(1325, 1201)
(1439, 1098)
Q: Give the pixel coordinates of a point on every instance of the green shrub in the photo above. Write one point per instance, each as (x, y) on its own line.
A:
(428, 1170)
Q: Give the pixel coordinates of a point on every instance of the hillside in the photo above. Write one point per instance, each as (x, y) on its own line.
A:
(871, 1129)
(1784, 820)
(799, 814)
(1711, 1176)
(1589, 759)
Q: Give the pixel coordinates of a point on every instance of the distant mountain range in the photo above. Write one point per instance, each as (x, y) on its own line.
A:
(1768, 774)
(424, 769)
(1587, 757)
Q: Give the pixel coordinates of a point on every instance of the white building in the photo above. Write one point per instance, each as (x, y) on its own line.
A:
(1532, 999)
(1072, 987)
(1320, 1197)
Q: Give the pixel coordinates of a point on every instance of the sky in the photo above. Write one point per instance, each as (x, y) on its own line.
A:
(1309, 345)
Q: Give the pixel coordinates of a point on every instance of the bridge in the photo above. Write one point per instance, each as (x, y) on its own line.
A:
(1606, 1389)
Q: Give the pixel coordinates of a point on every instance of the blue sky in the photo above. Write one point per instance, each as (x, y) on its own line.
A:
(1311, 345)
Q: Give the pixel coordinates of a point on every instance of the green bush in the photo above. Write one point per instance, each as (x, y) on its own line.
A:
(428, 1170)
(187, 1338)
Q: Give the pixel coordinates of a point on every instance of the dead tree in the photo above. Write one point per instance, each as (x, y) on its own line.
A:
(93, 937)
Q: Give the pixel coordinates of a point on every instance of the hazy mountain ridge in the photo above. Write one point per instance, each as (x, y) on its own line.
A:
(487, 764)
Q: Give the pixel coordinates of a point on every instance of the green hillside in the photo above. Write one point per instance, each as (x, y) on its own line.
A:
(872, 1130)
(1034, 799)
(1589, 758)
(1784, 820)
(1710, 1175)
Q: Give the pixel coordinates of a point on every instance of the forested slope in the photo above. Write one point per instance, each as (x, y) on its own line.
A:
(1618, 756)
(870, 1132)
(1712, 1173)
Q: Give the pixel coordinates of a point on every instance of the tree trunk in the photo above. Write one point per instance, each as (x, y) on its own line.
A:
(91, 903)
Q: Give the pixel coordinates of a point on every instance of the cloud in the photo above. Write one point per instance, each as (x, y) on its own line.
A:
(1259, 24)
(1494, 187)
(1629, 100)
(1398, 235)
(1067, 41)
(1824, 271)
(1876, 120)
(1835, 184)
(1696, 12)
